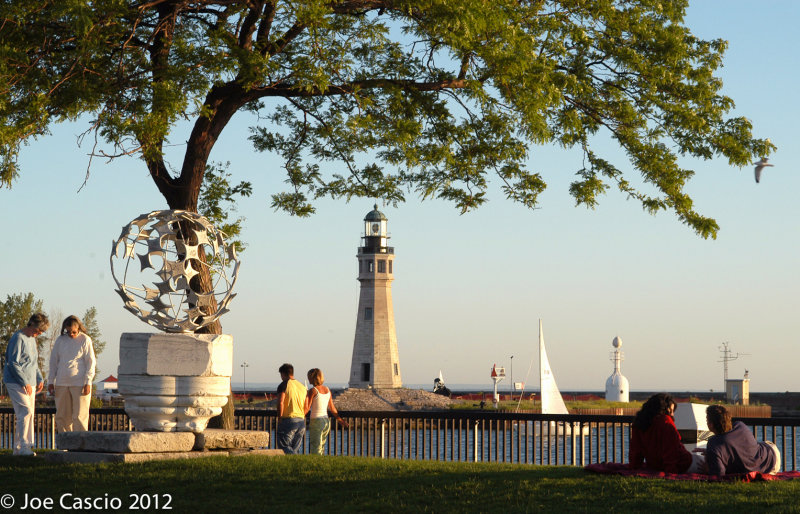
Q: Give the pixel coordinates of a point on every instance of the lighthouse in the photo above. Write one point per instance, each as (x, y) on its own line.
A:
(617, 389)
(376, 362)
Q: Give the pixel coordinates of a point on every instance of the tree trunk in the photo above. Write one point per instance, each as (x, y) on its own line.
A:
(202, 282)
(183, 193)
(226, 419)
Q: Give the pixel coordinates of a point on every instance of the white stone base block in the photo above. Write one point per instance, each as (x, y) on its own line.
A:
(92, 447)
(148, 385)
(186, 355)
(174, 382)
(98, 457)
(125, 442)
(215, 439)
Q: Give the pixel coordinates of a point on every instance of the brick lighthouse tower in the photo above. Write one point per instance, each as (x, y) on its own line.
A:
(376, 362)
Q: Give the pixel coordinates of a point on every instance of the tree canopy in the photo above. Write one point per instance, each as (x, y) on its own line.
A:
(93, 330)
(218, 202)
(380, 98)
(14, 315)
(17, 309)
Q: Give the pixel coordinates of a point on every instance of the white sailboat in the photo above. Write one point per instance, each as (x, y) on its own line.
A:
(552, 401)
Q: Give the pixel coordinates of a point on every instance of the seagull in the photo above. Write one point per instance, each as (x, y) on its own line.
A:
(760, 166)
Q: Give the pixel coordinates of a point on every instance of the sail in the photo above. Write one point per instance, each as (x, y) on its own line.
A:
(552, 402)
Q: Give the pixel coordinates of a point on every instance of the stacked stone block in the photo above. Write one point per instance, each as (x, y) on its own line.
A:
(174, 382)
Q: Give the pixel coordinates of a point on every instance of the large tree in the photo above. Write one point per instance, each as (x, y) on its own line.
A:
(436, 97)
(379, 98)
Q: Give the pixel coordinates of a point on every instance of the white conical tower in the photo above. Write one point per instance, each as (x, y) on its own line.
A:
(617, 389)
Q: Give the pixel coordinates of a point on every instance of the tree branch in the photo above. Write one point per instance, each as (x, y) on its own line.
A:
(278, 46)
(249, 24)
(287, 91)
(265, 27)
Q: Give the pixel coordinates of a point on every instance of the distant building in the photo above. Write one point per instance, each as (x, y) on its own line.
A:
(617, 388)
(107, 388)
(737, 390)
(376, 361)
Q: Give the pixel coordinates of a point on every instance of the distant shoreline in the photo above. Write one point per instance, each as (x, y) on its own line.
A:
(269, 387)
(784, 404)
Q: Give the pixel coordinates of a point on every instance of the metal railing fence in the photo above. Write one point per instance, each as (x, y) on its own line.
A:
(44, 427)
(466, 436)
(485, 436)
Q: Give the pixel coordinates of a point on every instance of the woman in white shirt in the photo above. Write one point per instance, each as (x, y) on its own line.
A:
(319, 401)
(72, 367)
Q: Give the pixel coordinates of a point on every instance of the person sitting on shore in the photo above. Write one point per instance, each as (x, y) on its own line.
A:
(655, 441)
(734, 449)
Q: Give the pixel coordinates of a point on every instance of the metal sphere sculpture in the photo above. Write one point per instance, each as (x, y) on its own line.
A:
(168, 249)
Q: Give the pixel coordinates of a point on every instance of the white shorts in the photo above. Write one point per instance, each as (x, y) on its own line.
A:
(698, 464)
(777, 467)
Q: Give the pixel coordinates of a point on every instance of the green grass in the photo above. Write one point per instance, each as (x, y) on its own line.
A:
(356, 484)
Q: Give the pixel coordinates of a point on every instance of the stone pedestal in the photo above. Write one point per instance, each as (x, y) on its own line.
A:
(174, 382)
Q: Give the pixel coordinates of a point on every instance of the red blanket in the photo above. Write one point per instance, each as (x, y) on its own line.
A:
(617, 468)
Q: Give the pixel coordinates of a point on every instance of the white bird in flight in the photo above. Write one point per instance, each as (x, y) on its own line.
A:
(760, 165)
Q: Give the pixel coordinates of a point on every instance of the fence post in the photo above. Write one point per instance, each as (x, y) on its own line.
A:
(475, 441)
(52, 431)
(574, 442)
(383, 443)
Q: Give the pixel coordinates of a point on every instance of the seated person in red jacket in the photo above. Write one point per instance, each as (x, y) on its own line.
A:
(656, 443)
(734, 449)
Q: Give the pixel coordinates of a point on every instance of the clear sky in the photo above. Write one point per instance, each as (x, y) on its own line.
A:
(469, 290)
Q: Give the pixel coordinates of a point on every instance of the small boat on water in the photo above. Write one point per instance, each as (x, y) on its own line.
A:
(439, 387)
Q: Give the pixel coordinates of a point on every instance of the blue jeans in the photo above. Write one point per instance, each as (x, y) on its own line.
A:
(290, 435)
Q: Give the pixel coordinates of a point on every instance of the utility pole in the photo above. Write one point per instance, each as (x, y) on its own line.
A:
(245, 365)
(512, 378)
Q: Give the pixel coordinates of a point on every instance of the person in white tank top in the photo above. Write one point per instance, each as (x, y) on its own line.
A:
(318, 402)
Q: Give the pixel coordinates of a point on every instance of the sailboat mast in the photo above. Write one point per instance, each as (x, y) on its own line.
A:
(542, 357)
